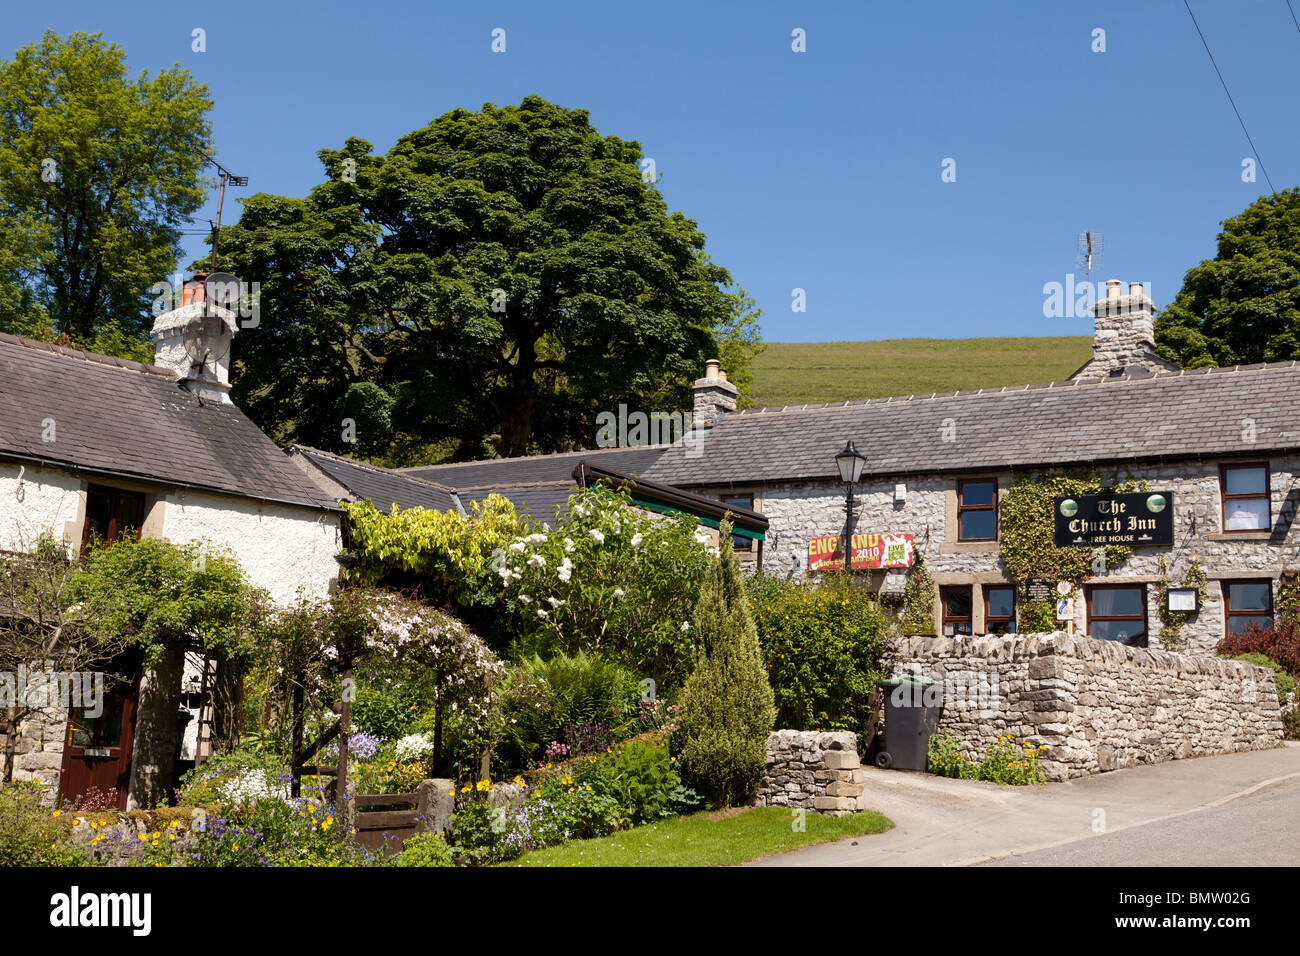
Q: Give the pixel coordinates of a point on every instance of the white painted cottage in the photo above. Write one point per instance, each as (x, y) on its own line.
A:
(91, 444)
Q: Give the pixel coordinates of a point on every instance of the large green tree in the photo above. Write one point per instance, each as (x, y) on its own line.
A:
(490, 283)
(98, 173)
(1242, 306)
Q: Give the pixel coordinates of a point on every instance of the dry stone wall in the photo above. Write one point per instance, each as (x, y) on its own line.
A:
(1094, 706)
(812, 771)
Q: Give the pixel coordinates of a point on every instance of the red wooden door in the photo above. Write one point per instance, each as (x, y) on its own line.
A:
(97, 750)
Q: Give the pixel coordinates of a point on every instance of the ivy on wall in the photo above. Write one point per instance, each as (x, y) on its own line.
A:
(1171, 622)
(1027, 538)
(918, 601)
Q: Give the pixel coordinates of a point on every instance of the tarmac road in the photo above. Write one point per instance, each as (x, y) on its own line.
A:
(1235, 809)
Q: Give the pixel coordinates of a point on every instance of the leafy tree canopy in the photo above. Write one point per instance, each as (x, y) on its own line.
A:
(98, 173)
(489, 284)
(1242, 306)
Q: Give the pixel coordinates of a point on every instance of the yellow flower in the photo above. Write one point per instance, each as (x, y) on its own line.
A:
(141, 837)
(58, 813)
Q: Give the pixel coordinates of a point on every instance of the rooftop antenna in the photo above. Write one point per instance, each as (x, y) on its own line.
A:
(226, 176)
(1090, 247)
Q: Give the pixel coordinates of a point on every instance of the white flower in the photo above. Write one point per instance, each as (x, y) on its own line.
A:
(636, 540)
(701, 537)
(414, 746)
(619, 592)
(541, 612)
(597, 535)
(568, 546)
(566, 571)
(526, 599)
(535, 539)
(517, 547)
(686, 626)
(581, 511)
(537, 561)
(555, 602)
(618, 528)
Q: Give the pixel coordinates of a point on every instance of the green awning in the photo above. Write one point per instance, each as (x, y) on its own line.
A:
(663, 509)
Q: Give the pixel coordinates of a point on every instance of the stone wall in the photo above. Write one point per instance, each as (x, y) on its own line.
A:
(812, 771)
(1094, 706)
(800, 511)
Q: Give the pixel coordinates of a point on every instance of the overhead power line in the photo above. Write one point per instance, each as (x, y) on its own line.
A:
(1259, 159)
(1293, 19)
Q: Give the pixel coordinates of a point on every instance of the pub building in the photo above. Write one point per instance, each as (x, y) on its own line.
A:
(1215, 450)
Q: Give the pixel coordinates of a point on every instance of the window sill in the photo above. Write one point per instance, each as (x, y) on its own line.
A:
(1240, 536)
(969, 547)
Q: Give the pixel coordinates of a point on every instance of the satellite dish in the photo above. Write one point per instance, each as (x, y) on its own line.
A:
(207, 340)
(222, 289)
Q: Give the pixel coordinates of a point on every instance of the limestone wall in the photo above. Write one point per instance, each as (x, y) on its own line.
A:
(812, 771)
(1094, 705)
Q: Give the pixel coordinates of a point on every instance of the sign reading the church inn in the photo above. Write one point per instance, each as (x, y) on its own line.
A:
(870, 552)
(1141, 519)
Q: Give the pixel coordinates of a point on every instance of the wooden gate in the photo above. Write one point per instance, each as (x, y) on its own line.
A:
(382, 826)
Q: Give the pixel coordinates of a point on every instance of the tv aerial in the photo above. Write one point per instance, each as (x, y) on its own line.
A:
(1089, 257)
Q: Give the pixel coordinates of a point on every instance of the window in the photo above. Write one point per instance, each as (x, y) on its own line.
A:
(111, 513)
(1246, 603)
(956, 610)
(1118, 613)
(977, 510)
(999, 610)
(739, 542)
(1245, 497)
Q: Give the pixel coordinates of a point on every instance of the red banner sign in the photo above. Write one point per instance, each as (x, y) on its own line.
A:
(870, 552)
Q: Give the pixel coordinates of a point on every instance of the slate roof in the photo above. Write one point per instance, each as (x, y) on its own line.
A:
(1182, 414)
(537, 484)
(116, 417)
(536, 469)
(382, 486)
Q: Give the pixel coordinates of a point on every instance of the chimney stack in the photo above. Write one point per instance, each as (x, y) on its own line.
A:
(714, 395)
(1124, 340)
(194, 342)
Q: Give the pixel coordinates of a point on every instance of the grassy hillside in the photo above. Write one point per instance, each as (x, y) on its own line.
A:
(796, 373)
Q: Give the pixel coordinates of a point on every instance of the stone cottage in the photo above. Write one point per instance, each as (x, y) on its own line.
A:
(93, 445)
(1223, 444)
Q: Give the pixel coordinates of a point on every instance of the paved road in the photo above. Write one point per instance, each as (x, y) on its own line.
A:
(1206, 811)
(1262, 829)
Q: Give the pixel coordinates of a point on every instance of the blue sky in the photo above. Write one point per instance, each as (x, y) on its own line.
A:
(817, 170)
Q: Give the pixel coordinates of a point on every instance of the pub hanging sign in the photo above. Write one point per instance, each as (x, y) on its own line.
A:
(1138, 520)
(870, 551)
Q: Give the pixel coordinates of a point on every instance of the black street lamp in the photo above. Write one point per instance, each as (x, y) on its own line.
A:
(849, 462)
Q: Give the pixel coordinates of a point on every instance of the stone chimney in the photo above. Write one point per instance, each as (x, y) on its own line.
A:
(194, 342)
(1124, 339)
(714, 395)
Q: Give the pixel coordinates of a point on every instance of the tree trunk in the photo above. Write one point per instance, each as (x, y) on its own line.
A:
(516, 410)
(11, 744)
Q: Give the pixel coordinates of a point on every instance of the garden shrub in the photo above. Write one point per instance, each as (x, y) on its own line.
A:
(825, 644)
(543, 698)
(1279, 643)
(644, 782)
(1284, 682)
(609, 580)
(727, 707)
(424, 849)
(1291, 723)
(33, 834)
(275, 832)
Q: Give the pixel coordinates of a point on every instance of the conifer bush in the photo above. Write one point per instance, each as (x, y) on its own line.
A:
(727, 706)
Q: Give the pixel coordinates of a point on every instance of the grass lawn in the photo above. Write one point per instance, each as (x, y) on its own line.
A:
(708, 839)
(788, 373)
